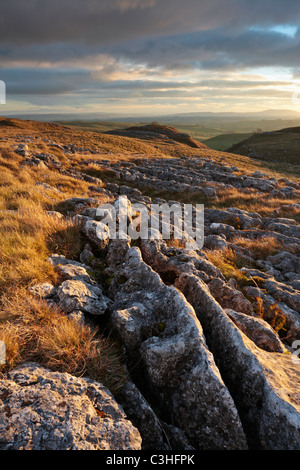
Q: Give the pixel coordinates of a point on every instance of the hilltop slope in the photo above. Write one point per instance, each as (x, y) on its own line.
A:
(194, 341)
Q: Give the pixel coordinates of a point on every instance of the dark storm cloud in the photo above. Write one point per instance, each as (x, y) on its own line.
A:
(101, 22)
(159, 33)
(216, 49)
(206, 50)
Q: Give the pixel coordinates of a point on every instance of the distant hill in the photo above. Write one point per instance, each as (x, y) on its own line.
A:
(155, 130)
(276, 146)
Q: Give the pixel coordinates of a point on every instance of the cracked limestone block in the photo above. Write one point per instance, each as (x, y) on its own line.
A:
(264, 385)
(159, 330)
(172, 262)
(44, 410)
(97, 232)
(272, 308)
(43, 291)
(258, 330)
(229, 297)
(77, 295)
(75, 273)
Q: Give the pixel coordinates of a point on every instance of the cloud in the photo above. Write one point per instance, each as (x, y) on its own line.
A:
(114, 50)
(215, 49)
(105, 22)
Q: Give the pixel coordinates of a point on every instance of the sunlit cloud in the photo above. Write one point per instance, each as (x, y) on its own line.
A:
(149, 56)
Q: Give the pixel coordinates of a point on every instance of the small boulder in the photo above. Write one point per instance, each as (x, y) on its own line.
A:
(44, 410)
(78, 295)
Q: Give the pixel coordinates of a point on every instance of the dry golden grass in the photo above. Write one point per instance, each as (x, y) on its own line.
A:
(103, 143)
(249, 201)
(260, 248)
(175, 242)
(28, 237)
(272, 314)
(229, 263)
(32, 331)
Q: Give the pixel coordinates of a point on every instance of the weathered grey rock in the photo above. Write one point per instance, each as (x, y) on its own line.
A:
(97, 232)
(264, 385)
(75, 273)
(56, 214)
(116, 253)
(235, 217)
(286, 262)
(258, 330)
(269, 269)
(23, 150)
(254, 273)
(274, 311)
(221, 229)
(87, 256)
(84, 201)
(295, 283)
(229, 297)
(143, 418)
(215, 242)
(170, 262)
(209, 191)
(57, 259)
(44, 291)
(43, 410)
(283, 293)
(176, 438)
(288, 230)
(161, 332)
(78, 295)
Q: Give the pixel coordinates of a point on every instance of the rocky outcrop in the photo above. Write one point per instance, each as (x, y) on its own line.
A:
(77, 293)
(258, 330)
(275, 311)
(142, 415)
(44, 410)
(208, 350)
(196, 175)
(162, 334)
(208, 367)
(229, 297)
(264, 385)
(156, 434)
(170, 262)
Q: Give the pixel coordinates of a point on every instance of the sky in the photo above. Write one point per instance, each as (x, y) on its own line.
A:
(149, 57)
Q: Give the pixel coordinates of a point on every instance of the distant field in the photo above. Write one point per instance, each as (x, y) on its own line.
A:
(196, 131)
(224, 141)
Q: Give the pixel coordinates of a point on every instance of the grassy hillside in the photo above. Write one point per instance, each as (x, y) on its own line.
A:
(95, 126)
(280, 146)
(224, 141)
(197, 131)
